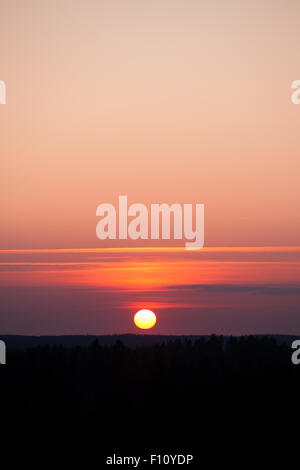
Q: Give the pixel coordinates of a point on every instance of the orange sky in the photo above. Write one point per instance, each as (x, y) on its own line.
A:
(165, 101)
(217, 290)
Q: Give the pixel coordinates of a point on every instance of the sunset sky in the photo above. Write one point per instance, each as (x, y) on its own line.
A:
(162, 101)
(216, 290)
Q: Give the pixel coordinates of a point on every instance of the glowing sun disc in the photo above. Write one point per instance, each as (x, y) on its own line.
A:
(145, 319)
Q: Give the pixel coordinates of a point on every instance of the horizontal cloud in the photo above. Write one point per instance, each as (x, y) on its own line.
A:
(265, 289)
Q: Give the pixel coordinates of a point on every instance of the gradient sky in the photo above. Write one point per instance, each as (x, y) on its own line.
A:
(216, 290)
(163, 101)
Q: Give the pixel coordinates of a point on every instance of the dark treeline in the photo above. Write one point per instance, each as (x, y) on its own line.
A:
(180, 394)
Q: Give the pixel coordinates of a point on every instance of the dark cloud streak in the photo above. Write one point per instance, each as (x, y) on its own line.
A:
(262, 289)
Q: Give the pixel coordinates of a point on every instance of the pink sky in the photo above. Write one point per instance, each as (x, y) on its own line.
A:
(165, 101)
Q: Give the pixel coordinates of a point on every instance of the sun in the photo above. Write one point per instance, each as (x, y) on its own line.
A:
(145, 319)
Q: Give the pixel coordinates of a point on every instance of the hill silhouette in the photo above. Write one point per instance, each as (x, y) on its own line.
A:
(130, 340)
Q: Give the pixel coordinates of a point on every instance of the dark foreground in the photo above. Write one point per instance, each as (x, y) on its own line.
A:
(201, 397)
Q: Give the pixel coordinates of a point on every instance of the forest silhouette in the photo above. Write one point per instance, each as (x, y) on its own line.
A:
(204, 394)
